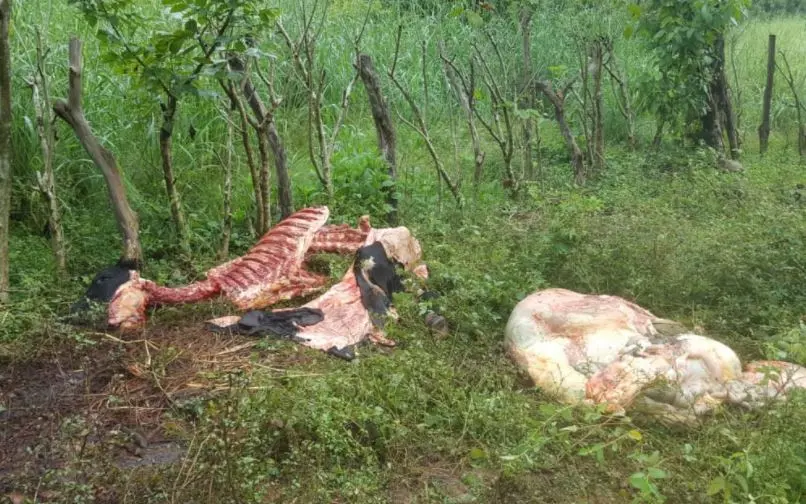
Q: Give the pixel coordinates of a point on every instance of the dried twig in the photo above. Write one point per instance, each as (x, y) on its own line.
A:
(790, 80)
(464, 90)
(421, 127)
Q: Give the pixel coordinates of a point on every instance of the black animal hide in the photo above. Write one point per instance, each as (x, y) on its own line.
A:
(104, 286)
(377, 280)
(279, 324)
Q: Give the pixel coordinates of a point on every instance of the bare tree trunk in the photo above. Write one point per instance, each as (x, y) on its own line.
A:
(72, 113)
(658, 138)
(584, 98)
(226, 226)
(464, 93)
(764, 128)
(421, 127)
(264, 175)
(597, 105)
(264, 115)
(47, 139)
(719, 109)
(711, 128)
(736, 94)
(284, 194)
(798, 104)
(312, 74)
(724, 99)
(253, 170)
(557, 99)
(500, 108)
(385, 128)
(316, 127)
(801, 136)
(166, 154)
(621, 93)
(528, 100)
(5, 144)
(237, 104)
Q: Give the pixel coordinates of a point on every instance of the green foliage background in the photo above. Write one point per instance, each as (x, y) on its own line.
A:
(720, 251)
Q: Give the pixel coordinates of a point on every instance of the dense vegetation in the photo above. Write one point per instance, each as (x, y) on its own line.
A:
(440, 419)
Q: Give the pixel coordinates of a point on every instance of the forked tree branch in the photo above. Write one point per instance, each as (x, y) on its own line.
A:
(72, 113)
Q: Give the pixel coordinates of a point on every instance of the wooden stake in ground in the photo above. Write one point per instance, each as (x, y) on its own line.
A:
(72, 113)
(384, 126)
(764, 128)
(46, 180)
(5, 144)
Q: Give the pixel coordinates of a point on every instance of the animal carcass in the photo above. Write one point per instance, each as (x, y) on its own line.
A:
(602, 349)
(271, 271)
(766, 381)
(561, 338)
(357, 307)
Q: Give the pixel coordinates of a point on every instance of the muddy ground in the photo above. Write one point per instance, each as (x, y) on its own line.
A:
(107, 396)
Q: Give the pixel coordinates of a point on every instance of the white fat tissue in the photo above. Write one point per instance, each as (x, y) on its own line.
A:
(347, 322)
(599, 349)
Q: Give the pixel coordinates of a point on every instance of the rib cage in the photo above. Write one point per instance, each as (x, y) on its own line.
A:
(271, 271)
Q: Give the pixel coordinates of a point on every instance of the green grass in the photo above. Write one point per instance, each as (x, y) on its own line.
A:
(442, 420)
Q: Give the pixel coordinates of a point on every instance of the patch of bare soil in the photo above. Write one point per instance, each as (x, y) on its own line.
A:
(580, 483)
(112, 397)
(432, 477)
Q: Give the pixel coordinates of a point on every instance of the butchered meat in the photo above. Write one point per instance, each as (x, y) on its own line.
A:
(357, 307)
(605, 350)
(271, 271)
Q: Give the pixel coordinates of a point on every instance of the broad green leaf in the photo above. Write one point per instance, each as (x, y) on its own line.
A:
(477, 454)
(176, 45)
(639, 480)
(457, 11)
(717, 485)
(474, 19)
(742, 482)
